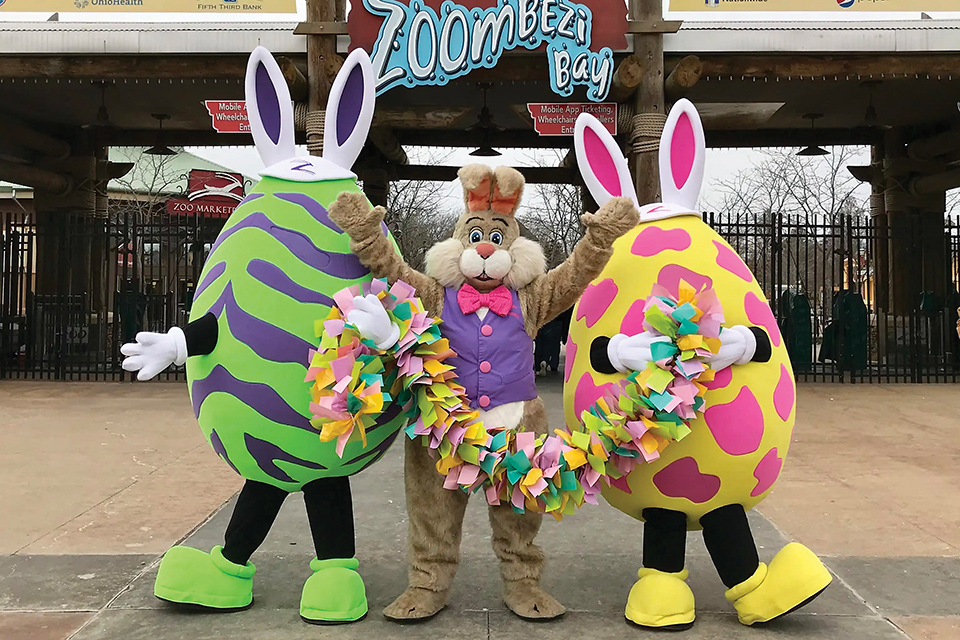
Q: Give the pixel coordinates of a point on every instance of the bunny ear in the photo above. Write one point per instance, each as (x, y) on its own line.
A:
(349, 110)
(602, 165)
(269, 108)
(683, 151)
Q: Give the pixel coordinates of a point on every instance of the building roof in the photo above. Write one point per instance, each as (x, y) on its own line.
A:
(83, 38)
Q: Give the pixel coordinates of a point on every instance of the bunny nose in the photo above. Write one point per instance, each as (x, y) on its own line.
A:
(485, 250)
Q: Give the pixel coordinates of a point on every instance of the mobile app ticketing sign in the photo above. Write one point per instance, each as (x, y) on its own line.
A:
(421, 43)
(151, 6)
(814, 5)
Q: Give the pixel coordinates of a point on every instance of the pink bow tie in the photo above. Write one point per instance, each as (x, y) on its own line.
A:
(499, 300)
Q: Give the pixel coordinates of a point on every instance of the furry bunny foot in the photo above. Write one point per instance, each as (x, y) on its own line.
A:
(415, 605)
(526, 599)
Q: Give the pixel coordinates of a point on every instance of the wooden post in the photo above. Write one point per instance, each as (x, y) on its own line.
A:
(683, 78)
(321, 53)
(625, 79)
(649, 98)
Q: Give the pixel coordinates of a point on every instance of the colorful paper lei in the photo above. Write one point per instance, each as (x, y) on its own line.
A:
(632, 423)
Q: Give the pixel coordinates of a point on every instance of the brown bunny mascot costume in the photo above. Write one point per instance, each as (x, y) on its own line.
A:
(491, 289)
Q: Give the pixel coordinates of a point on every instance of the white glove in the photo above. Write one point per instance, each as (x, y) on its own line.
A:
(628, 353)
(154, 352)
(371, 319)
(737, 346)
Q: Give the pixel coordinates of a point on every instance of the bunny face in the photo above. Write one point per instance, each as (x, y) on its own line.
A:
(486, 249)
(348, 117)
(737, 447)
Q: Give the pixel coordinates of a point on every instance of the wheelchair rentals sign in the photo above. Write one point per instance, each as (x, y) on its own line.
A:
(421, 45)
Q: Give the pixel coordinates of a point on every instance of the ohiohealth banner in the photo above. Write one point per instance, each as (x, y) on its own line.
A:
(815, 5)
(151, 6)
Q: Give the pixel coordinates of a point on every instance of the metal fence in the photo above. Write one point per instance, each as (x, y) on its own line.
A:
(74, 288)
(855, 301)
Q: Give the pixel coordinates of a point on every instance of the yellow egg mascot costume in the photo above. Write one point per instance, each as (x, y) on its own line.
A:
(736, 446)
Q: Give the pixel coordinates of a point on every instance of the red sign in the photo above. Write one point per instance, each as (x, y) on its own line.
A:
(608, 30)
(229, 116)
(212, 194)
(559, 118)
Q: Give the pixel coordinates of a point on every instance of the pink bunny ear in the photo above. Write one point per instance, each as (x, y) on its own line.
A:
(349, 110)
(602, 165)
(683, 151)
(269, 108)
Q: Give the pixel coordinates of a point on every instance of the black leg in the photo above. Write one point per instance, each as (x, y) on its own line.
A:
(330, 511)
(664, 540)
(257, 508)
(727, 535)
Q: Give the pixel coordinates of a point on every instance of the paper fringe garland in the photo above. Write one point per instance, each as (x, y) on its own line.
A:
(631, 424)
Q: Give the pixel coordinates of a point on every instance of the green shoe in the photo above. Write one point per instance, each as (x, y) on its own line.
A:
(190, 576)
(334, 594)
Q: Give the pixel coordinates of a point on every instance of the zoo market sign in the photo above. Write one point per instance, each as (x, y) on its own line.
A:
(421, 45)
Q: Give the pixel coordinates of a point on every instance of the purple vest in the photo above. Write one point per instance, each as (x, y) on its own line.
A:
(494, 359)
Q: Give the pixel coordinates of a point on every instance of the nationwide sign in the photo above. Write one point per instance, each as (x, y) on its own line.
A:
(431, 42)
(211, 194)
(229, 116)
(152, 6)
(559, 118)
(814, 5)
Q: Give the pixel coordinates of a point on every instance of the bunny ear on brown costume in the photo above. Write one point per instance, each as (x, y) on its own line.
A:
(507, 191)
(477, 182)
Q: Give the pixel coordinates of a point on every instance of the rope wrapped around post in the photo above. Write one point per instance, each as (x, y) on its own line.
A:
(647, 129)
(314, 123)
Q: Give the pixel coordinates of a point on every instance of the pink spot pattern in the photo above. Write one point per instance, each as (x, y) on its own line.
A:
(737, 426)
(683, 150)
(653, 240)
(728, 260)
(632, 322)
(785, 395)
(720, 380)
(682, 479)
(587, 393)
(760, 314)
(767, 472)
(569, 358)
(596, 300)
(671, 275)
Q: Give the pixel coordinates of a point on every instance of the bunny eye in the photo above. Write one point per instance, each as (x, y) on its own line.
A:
(496, 237)
(476, 235)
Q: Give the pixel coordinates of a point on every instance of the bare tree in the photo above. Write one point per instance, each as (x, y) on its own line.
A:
(552, 216)
(418, 211)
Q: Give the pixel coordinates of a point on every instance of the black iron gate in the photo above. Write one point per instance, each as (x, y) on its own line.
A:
(855, 301)
(73, 288)
(858, 301)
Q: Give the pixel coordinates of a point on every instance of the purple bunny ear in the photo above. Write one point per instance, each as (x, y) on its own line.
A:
(269, 108)
(349, 110)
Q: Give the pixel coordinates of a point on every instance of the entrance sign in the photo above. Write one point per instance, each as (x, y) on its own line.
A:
(418, 45)
(211, 194)
(559, 118)
(229, 116)
(814, 5)
(152, 6)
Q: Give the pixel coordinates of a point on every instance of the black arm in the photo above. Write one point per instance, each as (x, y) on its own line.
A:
(201, 335)
(764, 349)
(599, 359)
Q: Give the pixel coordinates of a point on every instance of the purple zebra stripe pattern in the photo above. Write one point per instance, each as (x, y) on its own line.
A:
(273, 276)
(266, 453)
(266, 340)
(215, 272)
(258, 396)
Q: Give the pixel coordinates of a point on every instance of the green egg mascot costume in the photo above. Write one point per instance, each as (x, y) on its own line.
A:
(269, 277)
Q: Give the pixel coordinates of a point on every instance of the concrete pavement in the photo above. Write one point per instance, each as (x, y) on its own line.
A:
(101, 478)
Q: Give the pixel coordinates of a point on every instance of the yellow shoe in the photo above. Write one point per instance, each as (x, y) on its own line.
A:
(661, 600)
(795, 577)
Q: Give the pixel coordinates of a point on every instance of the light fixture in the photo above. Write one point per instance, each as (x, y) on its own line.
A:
(103, 116)
(870, 117)
(160, 149)
(813, 150)
(485, 124)
(485, 150)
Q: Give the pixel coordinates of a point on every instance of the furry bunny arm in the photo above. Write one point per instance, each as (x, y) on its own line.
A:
(557, 290)
(352, 213)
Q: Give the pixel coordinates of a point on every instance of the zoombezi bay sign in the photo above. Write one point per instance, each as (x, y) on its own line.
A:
(422, 45)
